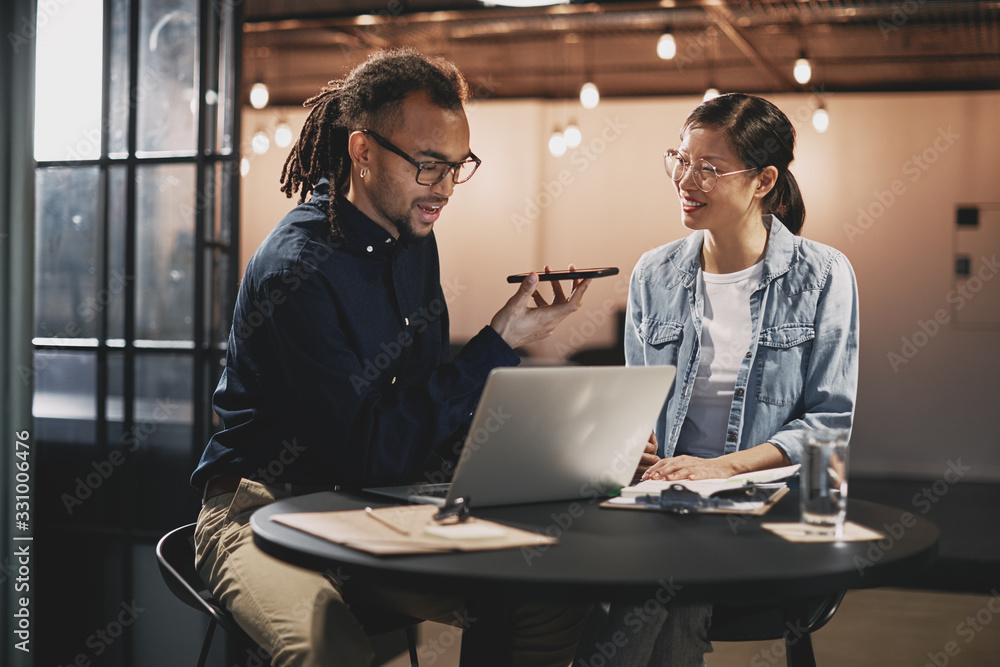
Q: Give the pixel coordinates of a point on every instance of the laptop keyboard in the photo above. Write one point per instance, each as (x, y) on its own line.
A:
(434, 490)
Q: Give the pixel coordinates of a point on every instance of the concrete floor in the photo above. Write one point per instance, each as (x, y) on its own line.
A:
(872, 628)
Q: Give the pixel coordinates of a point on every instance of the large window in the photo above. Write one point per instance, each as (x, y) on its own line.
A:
(136, 190)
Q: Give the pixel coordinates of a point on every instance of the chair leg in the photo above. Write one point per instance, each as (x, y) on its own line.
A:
(799, 651)
(207, 644)
(411, 643)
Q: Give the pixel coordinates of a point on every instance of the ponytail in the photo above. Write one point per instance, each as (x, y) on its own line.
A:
(321, 151)
(785, 202)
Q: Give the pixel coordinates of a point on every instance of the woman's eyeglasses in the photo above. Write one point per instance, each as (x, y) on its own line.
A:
(706, 176)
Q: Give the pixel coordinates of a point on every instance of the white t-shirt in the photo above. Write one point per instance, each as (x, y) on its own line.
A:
(726, 331)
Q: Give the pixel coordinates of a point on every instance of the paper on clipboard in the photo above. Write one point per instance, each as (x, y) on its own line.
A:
(404, 530)
(708, 487)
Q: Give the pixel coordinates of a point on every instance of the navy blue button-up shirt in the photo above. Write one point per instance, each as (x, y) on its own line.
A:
(338, 369)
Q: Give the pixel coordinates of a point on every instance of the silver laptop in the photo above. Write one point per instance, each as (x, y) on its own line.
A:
(552, 434)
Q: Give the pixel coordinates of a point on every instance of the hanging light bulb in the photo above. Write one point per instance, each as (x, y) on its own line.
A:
(259, 95)
(572, 135)
(711, 93)
(803, 70)
(821, 119)
(557, 144)
(590, 97)
(666, 46)
(283, 135)
(260, 143)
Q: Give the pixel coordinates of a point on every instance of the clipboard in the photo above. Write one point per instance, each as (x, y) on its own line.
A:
(751, 499)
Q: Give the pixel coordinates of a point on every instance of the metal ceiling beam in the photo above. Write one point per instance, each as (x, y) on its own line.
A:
(723, 18)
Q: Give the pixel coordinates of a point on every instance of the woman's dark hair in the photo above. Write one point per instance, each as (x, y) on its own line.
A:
(369, 97)
(761, 136)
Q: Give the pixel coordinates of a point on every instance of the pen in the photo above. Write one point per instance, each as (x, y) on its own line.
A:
(370, 512)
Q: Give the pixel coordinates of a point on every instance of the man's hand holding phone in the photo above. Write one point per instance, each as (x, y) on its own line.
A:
(519, 323)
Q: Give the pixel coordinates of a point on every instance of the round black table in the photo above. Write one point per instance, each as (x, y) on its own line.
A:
(624, 555)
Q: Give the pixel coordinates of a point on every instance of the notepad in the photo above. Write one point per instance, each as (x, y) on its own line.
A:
(409, 529)
(708, 487)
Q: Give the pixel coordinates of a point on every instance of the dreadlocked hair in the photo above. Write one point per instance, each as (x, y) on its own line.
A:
(369, 97)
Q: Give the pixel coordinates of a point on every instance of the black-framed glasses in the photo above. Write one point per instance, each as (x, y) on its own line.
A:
(706, 176)
(434, 171)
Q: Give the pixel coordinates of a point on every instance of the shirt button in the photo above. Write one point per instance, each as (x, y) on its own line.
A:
(406, 321)
(370, 248)
(749, 355)
(388, 240)
(393, 380)
(731, 437)
(739, 392)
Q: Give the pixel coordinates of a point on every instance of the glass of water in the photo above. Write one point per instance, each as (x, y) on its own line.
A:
(824, 481)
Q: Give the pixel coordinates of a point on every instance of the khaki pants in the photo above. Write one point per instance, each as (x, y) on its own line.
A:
(303, 619)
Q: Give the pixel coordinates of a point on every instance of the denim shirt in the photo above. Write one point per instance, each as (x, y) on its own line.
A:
(801, 368)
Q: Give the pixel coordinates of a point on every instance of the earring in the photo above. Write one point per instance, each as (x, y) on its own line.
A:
(364, 172)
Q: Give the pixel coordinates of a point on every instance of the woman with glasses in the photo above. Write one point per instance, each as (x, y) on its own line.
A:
(761, 324)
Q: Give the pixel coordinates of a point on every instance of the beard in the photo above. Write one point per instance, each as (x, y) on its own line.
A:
(382, 195)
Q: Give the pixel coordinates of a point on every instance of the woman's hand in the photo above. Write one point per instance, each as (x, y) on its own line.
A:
(760, 457)
(648, 459)
(691, 467)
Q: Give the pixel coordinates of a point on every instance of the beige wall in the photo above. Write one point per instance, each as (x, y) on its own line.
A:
(906, 159)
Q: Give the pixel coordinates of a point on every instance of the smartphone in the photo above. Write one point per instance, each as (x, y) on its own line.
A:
(576, 274)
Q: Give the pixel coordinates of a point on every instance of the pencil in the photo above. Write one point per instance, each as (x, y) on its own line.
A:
(370, 512)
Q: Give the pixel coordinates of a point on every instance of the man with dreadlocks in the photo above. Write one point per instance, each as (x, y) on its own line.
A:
(337, 371)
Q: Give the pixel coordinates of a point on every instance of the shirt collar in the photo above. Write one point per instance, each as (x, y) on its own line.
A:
(361, 234)
(778, 257)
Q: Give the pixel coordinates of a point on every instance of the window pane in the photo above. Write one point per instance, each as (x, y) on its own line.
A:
(222, 275)
(117, 281)
(68, 58)
(64, 406)
(163, 409)
(165, 252)
(67, 231)
(163, 438)
(121, 101)
(168, 76)
(227, 110)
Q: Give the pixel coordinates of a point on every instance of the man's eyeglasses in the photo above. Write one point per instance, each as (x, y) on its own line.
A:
(706, 176)
(433, 172)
